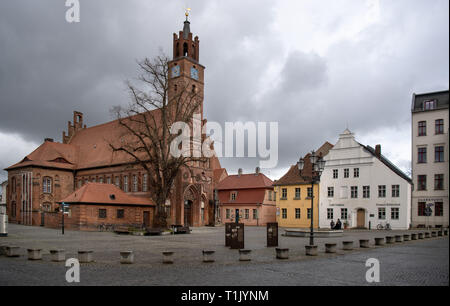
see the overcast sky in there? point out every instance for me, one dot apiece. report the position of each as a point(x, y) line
point(315, 67)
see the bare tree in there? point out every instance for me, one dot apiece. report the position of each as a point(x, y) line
point(147, 123)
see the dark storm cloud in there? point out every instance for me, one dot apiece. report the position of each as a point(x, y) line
point(261, 64)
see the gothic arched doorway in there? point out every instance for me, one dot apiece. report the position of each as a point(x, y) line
point(188, 212)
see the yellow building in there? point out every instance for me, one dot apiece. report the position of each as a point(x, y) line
point(293, 195)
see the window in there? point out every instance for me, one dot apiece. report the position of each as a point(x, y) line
point(439, 209)
point(421, 155)
point(108, 180)
point(330, 192)
point(13, 209)
point(310, 193)
point(117, 181)
point(309, 213)
point(135, 183)
point(439, 124)
point(382, 213)
point(100, 180)
point(344, 213)
point(395, 213)
point(233, 196)
point(297, 213)
point(421, 182)
point(422, 128)
point(47, 207)
point(144, 183)
point(335, 173)
point(395, 191)
point(438, 182)
point(284, 213)
point(346, 173)
point(366, 192)
point(429, 105)
point(356, 172)
point(439, 154)
point(93, 180)
point(284, 193)
point(255, 214)
point(381, 191)
point(421, 209)
point(47, 185)
point(120, 213)
point(247, 214)
point(125, 183)
point(227, 213)
point(102, 213)
point(330, 214)
point(80, 183)
point(297, 193)
point(270, 195)
point(354, 192)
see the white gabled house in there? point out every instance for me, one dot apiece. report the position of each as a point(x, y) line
point(362, 188)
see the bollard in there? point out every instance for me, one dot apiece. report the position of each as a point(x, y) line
point(85, 256)
point(12, 251)
point(433, 234)
point(406, 237)
point(58, 255)
point(282, 253)
point(167, 257)
point(34, 254)
point(414, 236)
point(347, 245)
point(208, 256)
point(244, 255)
point(380, 241)
point(364, 243)
point(427, 235)
point(311, 250)
point(390, 239)
point(398, 238)
point(127, 257)
point(330, 247)
point(420, 235)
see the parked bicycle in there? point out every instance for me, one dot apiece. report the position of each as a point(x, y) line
point(387, 226)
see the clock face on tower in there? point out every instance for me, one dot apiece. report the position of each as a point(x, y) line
point(194, 73)
point(175, 71)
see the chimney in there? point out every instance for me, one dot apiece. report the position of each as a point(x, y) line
point(240, 172)
point(378, 150)
point(257, 171)
point(48, 139)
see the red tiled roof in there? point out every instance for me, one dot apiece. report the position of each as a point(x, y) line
point(219, 175)
point(98, 193)
point(245, 181)
point(244, 196)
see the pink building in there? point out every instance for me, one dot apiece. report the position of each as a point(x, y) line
point(251, 195)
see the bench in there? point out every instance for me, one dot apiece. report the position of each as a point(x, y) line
point(154, 231)
point(122, 230)
point(181, 229)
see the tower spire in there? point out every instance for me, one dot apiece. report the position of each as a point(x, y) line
point(186, 28)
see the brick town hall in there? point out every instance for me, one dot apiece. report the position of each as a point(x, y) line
point(106, 187)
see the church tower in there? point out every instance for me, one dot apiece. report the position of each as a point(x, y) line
point(185, 71)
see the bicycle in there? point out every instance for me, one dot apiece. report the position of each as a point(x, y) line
point(387, 226)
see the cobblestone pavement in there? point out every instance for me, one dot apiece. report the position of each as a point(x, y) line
point(423, 262)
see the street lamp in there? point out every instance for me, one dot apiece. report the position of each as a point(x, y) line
point(317, 166)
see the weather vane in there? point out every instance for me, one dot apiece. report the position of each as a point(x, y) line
point(187, 10)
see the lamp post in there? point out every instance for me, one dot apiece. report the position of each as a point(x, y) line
point(317, 166)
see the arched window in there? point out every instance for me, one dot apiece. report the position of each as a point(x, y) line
point(47, 185)
point(13, 209)
point(185, 49)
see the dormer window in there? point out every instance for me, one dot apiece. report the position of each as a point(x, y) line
point(233, 195)
point(429, 105)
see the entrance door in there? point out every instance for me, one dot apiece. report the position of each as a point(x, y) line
point(188, 213)
point(146, 219)
point(361, 218)
point(42, 218)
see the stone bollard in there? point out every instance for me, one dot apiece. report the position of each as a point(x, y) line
point(330, 247)
point(311, 250)
point(208, 256)
point(12, 251)
point(398, 238)
point(85, 256)
point(282, 253)
point(439, 233)
point(58, 255)
point(420, 235)
point(126, 257)
point(380, 241)
point(427, 235)
point(2, 249)
point(347, 245)
point(364, 243)
point(433, 234)
point(414, 236)
point(168, 257)
point(390, 239)
point(34, 254)
point(406, 237)
point(244, 255)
